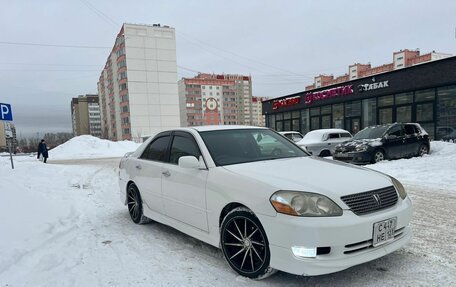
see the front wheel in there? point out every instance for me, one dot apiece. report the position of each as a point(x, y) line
point(245, 245)
point(379, 155)
point(134, 205)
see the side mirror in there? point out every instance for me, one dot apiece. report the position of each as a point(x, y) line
point(188, 162)
point(391, 137)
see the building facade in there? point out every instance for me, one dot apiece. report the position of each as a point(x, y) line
point(138, 85)
point(401, 59)
point(424, 93)
point(85, 115)
point(210, 99)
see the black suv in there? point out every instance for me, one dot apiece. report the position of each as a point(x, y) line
point(376, 143)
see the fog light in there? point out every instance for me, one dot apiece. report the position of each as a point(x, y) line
point(304, 252)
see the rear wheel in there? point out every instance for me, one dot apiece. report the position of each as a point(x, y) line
point(379, 155)
point(245, 245)
point(134, 205)
point(423, 150)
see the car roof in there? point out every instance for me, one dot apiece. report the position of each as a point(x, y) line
point(324, 131)
point(289, 132)
point(222, 127)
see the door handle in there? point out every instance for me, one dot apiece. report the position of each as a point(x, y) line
point(166, 173)
point(138, 166)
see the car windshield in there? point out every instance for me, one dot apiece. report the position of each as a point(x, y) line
point(371, 133)
point(248, 145)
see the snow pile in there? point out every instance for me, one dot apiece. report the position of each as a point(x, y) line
point(87, 146)
point(435, 170)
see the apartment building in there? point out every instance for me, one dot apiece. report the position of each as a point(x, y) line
point(401, 59)
point(258, 118)
point(138, 85)
point(85, 115)
point(211, 99)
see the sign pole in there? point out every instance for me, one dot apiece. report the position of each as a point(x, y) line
point(10, 152)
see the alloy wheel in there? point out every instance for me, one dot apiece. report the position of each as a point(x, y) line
point(134, 204)
point(423, 150)
point(244, 245)
point(379, 156)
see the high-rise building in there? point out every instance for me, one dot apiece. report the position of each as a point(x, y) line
point(258, 118)
point(85, 115)
point(210, 99)
point(138, 85)
point(401, 59)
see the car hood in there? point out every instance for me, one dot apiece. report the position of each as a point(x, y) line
point(311, 174)
point(351, 145)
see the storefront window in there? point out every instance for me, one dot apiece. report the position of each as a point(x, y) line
point(305, 121)
point(295, 124)
point(272, 123)
point(287, 116)
point(279, 116)
point(446, 114)
point(369, 112)
point(425, 95)
point(326, 122)
point(315, 111)
point(386, 101)
point(338, 116)
point(353, 109)
point(404, 114)
point(385, 116)
point(425, 112)
point(404, 98)
point(326, 110)
point(314, 123)
point(287, 125)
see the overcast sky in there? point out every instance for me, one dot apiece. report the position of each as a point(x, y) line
point(282, 44)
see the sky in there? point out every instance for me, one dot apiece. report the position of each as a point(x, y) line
point(281, 44)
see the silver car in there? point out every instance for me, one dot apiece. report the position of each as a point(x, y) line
point(323, 142)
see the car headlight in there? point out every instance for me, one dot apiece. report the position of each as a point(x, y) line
point(361, 148)
point(300, 203)
point(399, 187)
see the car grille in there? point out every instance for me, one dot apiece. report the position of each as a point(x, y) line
point(371, 201)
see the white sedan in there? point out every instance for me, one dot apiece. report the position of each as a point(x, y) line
point(323, 142)
point(266, 211)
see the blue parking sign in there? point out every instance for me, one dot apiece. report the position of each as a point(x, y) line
point(5, 112)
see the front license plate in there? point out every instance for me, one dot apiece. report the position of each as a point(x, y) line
point(384, 231)
point(342, 155)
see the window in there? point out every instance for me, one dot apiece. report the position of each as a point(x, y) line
point(396, 131)
point(424, 112)
point(338, 116)
point(404, 98)
point(410, 130)
point(353, 109)
point(425, 95)
point(369, 112)
point(183, 146)
point(156, 150)
point(333, 136)
point(386, 101)
point(345, 135)
point(446, 110)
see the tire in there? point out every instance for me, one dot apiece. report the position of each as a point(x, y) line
point(325, 153)
point(134, 205)
point(423, 150)
point(378, 156)
point(247, 251)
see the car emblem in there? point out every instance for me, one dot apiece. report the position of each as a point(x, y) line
point(377, 199)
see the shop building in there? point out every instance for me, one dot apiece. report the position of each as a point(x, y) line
point(424, 93)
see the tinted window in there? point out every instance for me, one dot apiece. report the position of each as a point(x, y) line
point(371, 132)
point(183, 146)
point(396, 131)
point(345, 135)
point(333, 136)
point(410, 129)
point(156, 150)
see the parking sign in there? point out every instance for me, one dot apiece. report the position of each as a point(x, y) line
point(5, 112)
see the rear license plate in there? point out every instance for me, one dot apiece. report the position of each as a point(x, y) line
point(384, 231)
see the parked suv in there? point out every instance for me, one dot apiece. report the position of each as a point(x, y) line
point(376, 143)
point(324, 141)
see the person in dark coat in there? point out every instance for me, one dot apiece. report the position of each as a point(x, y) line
point(42, 150)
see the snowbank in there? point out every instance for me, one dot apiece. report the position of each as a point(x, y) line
point(435, 170)
point(87, 146)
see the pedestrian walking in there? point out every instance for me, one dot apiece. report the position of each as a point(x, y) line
point(43, 151)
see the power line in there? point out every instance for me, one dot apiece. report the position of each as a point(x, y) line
point(102, 15)
point(53, 45)
point(42, 64)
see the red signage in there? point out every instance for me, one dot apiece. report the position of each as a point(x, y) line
point(285, 102)
point(327, 94)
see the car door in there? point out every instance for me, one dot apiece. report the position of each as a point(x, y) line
point(395, 142)
point(333, 139)
point(412, 143)
point(184, 189)
point(149, 172)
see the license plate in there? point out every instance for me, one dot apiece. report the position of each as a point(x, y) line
point(384, 231)
point(342, 155)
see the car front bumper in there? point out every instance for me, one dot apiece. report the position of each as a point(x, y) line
point(349, 236)
point(353, 157)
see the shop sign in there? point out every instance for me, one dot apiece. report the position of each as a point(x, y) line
point(373, 86)
point(327, 94)
point(276, 104)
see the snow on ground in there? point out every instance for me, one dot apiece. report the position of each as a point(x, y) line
point(64, 225)
point(87, 146)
